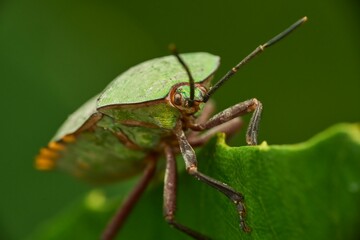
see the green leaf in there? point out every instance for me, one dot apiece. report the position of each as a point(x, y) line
point(309, 190)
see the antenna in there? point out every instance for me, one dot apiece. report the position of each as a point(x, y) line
point(254, 53)
point(174, 51)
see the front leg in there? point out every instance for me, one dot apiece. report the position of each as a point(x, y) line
point(189, 156)
point(240, 109)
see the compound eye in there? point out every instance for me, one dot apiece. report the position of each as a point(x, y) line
point(177, 99)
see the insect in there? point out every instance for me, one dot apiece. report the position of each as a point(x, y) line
point(153, 109)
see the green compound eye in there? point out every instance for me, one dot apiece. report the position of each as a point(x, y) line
point(180, 98)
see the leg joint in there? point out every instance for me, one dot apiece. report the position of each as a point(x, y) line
point(169, 219)
point(192, 170)
point(254, 105)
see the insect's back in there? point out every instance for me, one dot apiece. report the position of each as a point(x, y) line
point(153, 79)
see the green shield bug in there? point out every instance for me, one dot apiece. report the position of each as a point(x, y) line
point(121, 132)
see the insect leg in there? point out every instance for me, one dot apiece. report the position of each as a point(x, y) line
point(229, 128)
point(120, 216)
point(189, 156)
point(252, 105)
point(170, 195)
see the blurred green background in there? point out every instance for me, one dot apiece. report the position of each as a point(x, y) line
point(54, 55)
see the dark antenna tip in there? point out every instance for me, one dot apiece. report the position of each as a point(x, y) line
point(253, 54)
point(173, 49)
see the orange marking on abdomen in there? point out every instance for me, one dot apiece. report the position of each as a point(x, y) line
point(69, 138)
point(48, 153)
point(56, 146)
point(42, 163)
